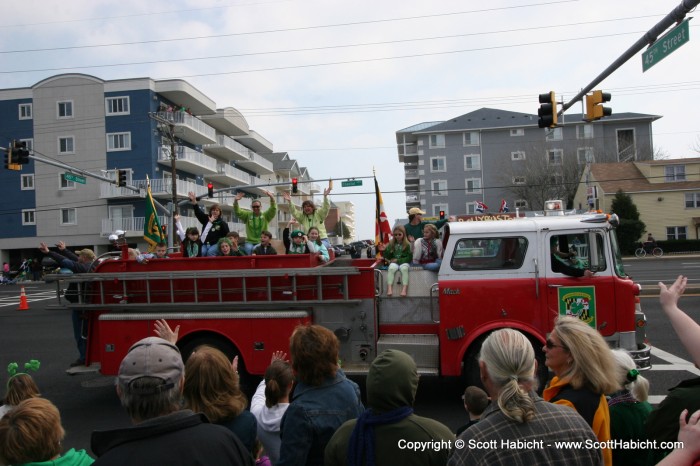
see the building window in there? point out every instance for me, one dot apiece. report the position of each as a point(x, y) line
point(471, 208)
point(30, 145)
point(472, 162)
point(520, 204)
point(470, 138)
point(439, 188)
point(517, 155)
point(519, 180)
point(436, 141)
point(584, 132)
point(626, 150)
point(27, 182)
point(437, 164)
point(28, 217)
point(555, 157)
point(555, 134)
point(584, 155)
point(65, 109)
point(556, 179)
point(25, 111)
point(69, 217)
point(66, 145)
point(473, 185)
point(117, 106)
point(118, 141)
point(64, 184)
point(517, 132)
point(674, 172)
point(437, 208)
point(692, 200)
point(675, 233)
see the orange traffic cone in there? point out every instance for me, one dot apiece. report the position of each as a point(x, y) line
point(23, 305)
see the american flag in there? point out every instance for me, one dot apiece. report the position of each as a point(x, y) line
point(481, 207)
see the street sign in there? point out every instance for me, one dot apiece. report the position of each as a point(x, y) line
point(348, 183)
point(74, 178)
point(667, 44)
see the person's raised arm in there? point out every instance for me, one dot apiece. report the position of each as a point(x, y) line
point(686, 328)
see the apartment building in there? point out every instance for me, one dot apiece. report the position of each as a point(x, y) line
point(156, 129)
point(490, 155)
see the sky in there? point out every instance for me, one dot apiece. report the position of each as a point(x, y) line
point(331, 83)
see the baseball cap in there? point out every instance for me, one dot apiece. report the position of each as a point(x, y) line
point(85, 252)
point(152, 357)
point(415, 210)
point(297, 234)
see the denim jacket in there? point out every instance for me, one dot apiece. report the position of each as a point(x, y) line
point(313, 416)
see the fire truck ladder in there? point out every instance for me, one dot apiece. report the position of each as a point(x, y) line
point(154, 290)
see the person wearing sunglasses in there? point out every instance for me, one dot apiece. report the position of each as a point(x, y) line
point(584, 371)
point(256, 221)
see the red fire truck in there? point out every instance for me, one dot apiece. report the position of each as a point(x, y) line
point(496, 272)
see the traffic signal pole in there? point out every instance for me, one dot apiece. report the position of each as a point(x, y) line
point(674, 17)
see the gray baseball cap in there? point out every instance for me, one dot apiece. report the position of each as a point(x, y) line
point(152, 357)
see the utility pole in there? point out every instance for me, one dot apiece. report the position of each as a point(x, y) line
point(169, 123)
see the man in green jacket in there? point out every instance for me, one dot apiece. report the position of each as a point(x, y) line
point(415, 225)
point(255, 221)
point(389, 426)
point(309, 216)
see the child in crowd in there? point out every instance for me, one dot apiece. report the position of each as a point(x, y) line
point(260, 458)
point(161, 252)
point(264, 248)
point(397, 254)
point(191, 244)
point(315, 245)
point(20, 385)
point(298, 245)
point(475, 402)
point(427, 251)
point(236, 249)
point(225, 247)
point(270, 402)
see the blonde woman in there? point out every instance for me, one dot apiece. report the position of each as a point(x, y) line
point(427, 251)
point(585, 371)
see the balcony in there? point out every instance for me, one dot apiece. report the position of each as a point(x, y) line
point(188, 160)
point(190, 128)
point(411, 176)
point(133, 226)
point(228, 149)
point(226, 174)
point(315, 188)
point(257, 164)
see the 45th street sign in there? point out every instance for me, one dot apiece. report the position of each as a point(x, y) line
point(667, 44)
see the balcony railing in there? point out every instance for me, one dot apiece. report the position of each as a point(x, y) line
point(194, 161)
point(195, 130)
point(133, 226)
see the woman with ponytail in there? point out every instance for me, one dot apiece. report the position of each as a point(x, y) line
point(270, 402)
point(518, 427)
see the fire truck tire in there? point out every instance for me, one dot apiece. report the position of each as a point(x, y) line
point(225, 347)
point(471, 374)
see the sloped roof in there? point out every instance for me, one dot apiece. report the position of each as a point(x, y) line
point(485, 118)
point(612, 177)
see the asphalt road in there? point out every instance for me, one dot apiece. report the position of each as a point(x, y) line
point(88, 402)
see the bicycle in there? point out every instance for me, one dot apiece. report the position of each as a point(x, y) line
point(648, 249)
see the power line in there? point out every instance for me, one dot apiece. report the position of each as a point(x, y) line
point(302, 28)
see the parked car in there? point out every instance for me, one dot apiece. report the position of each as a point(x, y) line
point(339, 250)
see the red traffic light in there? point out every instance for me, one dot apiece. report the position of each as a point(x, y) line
point(442, 215)
point(210, 189)
point(295, 187)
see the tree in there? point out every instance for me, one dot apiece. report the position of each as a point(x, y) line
point(346, 232)
point(631, 227)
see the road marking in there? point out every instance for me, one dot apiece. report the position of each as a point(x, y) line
point(7, 301)
point(676, 363)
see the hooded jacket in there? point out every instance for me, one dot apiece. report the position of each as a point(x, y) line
point(269, 422)
point(391, 384)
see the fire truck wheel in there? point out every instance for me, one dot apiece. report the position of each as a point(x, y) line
point(470, 372)
point(226, 347)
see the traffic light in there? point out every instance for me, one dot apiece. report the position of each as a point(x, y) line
point(121, 178)
point(594, 105)
point(295, 187)
point(210, 190)
point(547, 111)
point(8, 158)
point(20, 153)
point(442, 215)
